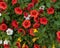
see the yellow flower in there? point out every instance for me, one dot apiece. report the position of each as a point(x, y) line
point(53, 46)
point(19, 39)
point(35, 30)
point(23, 45)
point(34, 39)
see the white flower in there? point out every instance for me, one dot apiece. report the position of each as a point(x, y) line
point(0, 41)
point(27, 18)
point(0, 14)
point(6, 41)
point(29, 15)
point(24, 16)
point(42, 7)
point(9, 31)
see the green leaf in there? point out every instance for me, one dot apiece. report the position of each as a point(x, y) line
point(48, 4)
point(1, 19)
point(7, 18)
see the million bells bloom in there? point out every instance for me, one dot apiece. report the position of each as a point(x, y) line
point(58, 36)
point(14, 24)
point(50, 10)
point(3, 27)
point(14, 2)
point(36, 46)
point(18, 10)
point(43, 20)
point(26, 23)
point(34, 13)
point(3, 5)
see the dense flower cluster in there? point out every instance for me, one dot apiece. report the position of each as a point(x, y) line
point(24, 23)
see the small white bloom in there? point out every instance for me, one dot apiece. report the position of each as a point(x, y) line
point(9, 31)
point(0, 41)
point(29, 15)
point(0, 14)
point(27, 18)
point(6, 41)
point(42, 7)
point(24, 16)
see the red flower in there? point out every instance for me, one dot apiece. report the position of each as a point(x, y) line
point(3, 27)
point(50, 10)
point(43, 20)
point(3, 5)
point(58, 35)
point(36, 19)
point(20, 30)
point(30, 5)
point(18, 10)
point(36, 46)
point(14, 2)
point(18, 44)
point(25, 14)
point(6, 46)
point(34, 13)
point(31, 32)
point(28, 8)
point(1, 0)
point(54, 0)
point(14, 24)
point(26, 23)
point(58, 39)
point(35, 1)
point(25, 9)
point(41, 11)
point(36, 25)
point(26, 46)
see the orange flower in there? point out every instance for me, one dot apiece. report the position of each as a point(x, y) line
point(34, 13)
